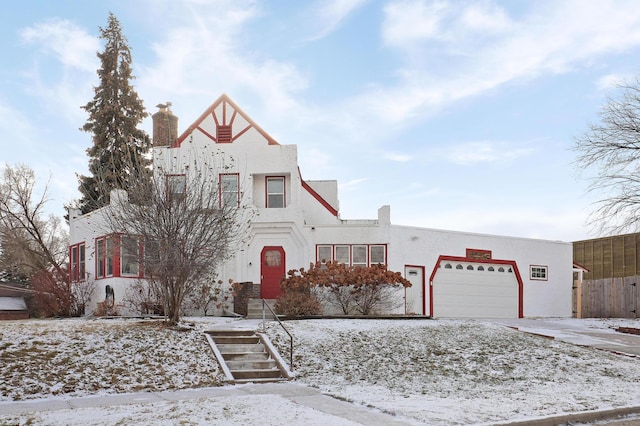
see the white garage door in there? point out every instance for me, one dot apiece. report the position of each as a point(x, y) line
point(474, 290)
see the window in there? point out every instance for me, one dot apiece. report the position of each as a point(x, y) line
point(129, 256)
point(359, 256)
point(353, 254)
point(229, 193)
point(458, 266)
point(480, 268)
point(491, 269)
point(447, 266)
point(538, 272)
point(176, 187)
point(77, 262)
point(324, 254)
point(275, 192)
point(469, 267)
point(378, 255)
point(343, 254)
point(104, 257)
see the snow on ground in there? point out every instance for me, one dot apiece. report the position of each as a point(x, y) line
point(446, 372)
point(80, 357)
point(432, 372)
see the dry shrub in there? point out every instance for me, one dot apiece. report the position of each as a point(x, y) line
point(296, 303)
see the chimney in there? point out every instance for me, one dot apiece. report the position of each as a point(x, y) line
point(165, 126)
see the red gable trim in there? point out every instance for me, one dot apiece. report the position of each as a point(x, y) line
point(225, 100)
point(511, 263)
point(317, 196)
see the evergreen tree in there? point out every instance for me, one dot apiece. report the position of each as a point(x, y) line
point(118, 156)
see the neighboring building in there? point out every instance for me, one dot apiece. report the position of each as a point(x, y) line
point(610, 277)
point(13, 305)
point(454, 274)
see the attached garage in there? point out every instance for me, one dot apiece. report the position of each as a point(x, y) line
point(463, 287)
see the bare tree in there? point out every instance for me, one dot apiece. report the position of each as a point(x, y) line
point(612, 148)
point(189, 224)
point(33, 243)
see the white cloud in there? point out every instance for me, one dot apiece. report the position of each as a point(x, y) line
point(351, 185)
point(70, 44)
point(394, 156)
point(610, 81)
point(482, 152)
point(479, 47)
point(329, 15)
point(207, 55)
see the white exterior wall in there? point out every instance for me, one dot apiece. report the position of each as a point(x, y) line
point(306, 221)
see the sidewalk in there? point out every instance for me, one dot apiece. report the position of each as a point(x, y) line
point(335, 411)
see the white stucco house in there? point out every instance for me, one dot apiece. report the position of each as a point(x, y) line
point(454, 274)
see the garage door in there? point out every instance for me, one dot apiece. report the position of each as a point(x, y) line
point(475, 290)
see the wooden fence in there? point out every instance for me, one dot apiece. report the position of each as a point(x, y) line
point(608, 298)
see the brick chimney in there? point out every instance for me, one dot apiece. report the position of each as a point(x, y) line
point(165, 126)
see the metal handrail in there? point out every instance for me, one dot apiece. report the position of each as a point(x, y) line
point(264, 329)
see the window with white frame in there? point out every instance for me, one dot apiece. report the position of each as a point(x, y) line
point(343, 254)
point(359, 255)
point(539, 272)
point(324, 254)
point(275, 192)
point(353, 254)
point(378, 255)
point(229, 190)
point(129, 255)
point(176, 187)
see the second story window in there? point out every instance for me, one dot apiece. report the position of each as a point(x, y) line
point(176, 187)
point(229, 193)
point(275, 192)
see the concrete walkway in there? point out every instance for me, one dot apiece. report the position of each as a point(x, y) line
point(299, 394)
point(574, 333)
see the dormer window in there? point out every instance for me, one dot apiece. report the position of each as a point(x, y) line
point(275, 192)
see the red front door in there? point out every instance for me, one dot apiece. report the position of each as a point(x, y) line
point(272, 270)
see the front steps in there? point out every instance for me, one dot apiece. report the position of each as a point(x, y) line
point(247, 357)
point(254, 309)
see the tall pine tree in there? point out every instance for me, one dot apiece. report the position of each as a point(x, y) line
point(119, 154)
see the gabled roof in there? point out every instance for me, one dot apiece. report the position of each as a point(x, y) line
point(229, 112)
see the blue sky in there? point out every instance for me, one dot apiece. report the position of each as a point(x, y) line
point(459, 114)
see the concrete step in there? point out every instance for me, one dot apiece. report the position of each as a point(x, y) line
point(226, 348)
point(236, 340)
point(256, 374)
point(265, 364)
point(235, 332)
point(245, 356)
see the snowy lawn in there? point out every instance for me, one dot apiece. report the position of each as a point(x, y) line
point(433, 372)
point(82, 357)
point(446, 372)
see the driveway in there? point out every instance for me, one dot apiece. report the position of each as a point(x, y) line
point(578, 332)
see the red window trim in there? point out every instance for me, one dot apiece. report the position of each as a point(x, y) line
point(75, 271)
point(333, 252)
point(116, 261)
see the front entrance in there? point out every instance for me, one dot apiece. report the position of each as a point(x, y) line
point(272, 270)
